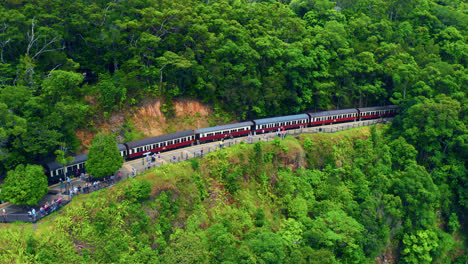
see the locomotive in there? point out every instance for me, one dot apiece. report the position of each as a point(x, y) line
point(139, 148)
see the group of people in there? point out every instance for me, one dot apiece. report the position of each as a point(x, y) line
point(90, 185)
point(48, 208)
point(280, 133)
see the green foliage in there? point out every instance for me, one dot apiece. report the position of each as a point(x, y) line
point(364, 200)
point(433, 126)
point(348, 201)
point(259, 217)
point(419, 195)
point(65, 61)
point(267, 247)
point(137, 190)
point(104, 158)
point(26, 185)
point(112, 92)
point(453, 223)
point(418, 246)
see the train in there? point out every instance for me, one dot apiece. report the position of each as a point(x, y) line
point(139, 148)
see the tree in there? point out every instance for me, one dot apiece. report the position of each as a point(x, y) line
point(433, 126)
point(112, 92)
point(268, 247)
point(103, 157)
point(418, 246)
point(26, 185)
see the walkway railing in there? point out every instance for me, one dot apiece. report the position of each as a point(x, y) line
point(185, 155)
point(31, 218)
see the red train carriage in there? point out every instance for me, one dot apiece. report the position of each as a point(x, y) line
point(160, 143)
point(334, 116)
point(226, 131)
point(377, 112)
point(281, 122)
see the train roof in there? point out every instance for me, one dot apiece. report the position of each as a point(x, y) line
point(280, 119)
point(333, 112)
point(78, 159)
point(152, 140)
point(385, 107)
point(121, 147)
point(223, 127)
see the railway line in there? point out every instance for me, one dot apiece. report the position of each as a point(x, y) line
point(18, 213)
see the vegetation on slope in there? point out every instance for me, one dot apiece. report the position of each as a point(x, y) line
point(323, 198)
point(62, 63)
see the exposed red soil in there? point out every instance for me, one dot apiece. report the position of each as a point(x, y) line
point(149, 120)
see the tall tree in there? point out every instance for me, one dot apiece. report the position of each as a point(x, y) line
point(26, 185)
point(103, 157)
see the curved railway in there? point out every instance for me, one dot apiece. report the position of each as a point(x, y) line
point(136, 149)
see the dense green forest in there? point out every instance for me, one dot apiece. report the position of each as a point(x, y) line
point(397, 193)
point(65, 63)
point(357, 196)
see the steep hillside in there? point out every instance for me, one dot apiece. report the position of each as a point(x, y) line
point(324, 198)
point(148, 121)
